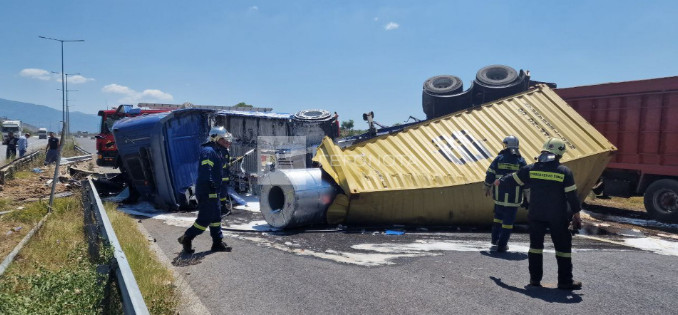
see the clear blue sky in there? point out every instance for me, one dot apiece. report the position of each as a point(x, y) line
point(344, 56)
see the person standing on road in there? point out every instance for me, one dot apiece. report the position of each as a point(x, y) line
point(23, 144)
point(213, 161)
point(552, 191)
point(10, 142)
point(52, 149)
point(507, 197)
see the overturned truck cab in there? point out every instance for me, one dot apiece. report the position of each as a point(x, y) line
point(160, 153)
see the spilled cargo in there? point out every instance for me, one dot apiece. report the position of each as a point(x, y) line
point(432, 173)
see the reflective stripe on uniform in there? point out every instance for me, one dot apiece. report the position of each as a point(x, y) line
point(509, 166)
point(215, 224)
point(507, 226)
point(212, 195)
point(517, 200)
point(497, 220)
point(506, 204)
point(199, 227)
point(570, 188)
point(207, 162)
point(489, 170)
point(565, 255)
point(225, 179)
point(556, 177)
point(536, 251)
point(223, 199)
point(515, 177)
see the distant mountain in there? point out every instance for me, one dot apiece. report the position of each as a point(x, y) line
point(42, 116)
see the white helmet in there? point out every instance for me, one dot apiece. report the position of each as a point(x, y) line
point(217, 133)
point(511, 143)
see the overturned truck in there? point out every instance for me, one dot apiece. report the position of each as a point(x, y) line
point(432, 173)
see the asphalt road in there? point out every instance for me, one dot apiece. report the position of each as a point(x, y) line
point(33, 144)
point(360, 271)
point(87, 144)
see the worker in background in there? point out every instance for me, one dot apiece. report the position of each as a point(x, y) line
point(52, 149)
point(10, 142)
point(552, 190)
point(213, 161)
point(336, 123)
point(507, 197)
point(23, 144)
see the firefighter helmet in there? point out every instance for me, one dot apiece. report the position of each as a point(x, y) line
point(511, 143)
point(217, 133)
point(555, 146)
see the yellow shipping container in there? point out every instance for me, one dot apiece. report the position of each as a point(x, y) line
point(432, 173)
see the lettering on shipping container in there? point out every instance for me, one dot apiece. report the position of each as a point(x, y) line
point(541, 121)
point(461, 147)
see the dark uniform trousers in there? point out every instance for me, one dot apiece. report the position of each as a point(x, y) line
point(209, 214)
point(562, 241)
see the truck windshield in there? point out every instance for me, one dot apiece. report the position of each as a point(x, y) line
point(108, 121)
point(10, 129)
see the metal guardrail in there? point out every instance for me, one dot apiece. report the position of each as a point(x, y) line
point(8, 169)
point(96, 221)
point(81, 150)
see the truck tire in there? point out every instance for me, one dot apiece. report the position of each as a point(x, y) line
point(443, 85)
point(312, 115)
point(661, 200)
point(496, 75)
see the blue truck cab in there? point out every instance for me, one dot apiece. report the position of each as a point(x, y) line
point(160, 153)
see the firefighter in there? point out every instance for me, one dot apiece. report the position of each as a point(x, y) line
point(507, 197)
point(552, 191)
point(209, 186)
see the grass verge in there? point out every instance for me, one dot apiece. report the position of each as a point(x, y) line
point(154, 280)
point(52, 274)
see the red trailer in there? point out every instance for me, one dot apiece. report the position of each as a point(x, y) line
point(641, 119)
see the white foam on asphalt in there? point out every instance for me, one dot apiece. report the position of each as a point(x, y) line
point(261, 226)
point(423, 246)
point(654, 245)
point(145, 209)
point(355, 258)
point(252, 204)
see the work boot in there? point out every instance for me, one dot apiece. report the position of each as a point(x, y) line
point(220, 246)
point(187, 244)
point(574, 285)
point(534, 283)
point(502, 249)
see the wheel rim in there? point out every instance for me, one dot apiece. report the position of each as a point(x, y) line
point(666, 201)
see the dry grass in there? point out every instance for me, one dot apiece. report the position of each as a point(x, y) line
point(15, 225)
point(632, 203)
point(57, 241)
point(155, 281)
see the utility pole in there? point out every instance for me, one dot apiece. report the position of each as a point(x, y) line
point(55, 179)
point(63, 80)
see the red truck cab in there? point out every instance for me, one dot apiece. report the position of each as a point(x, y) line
point(107, 151)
